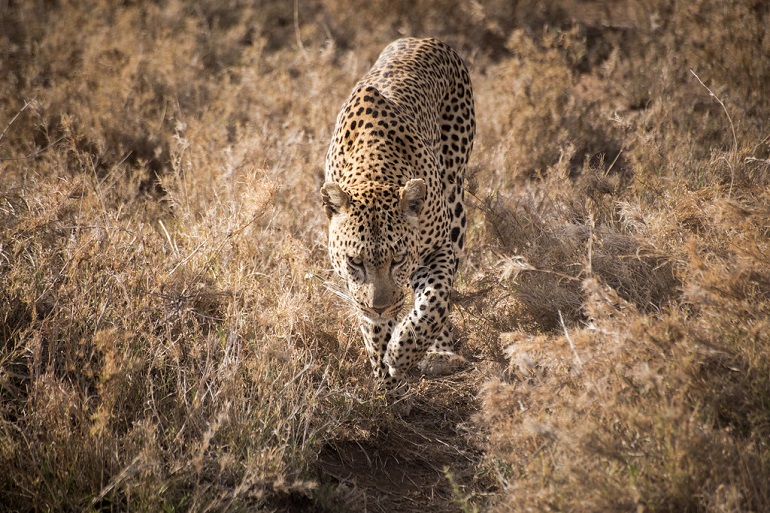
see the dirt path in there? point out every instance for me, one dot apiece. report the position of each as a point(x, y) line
point(426, 461)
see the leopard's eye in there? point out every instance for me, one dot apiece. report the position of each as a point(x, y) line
point(356, 262)
point(398, 260)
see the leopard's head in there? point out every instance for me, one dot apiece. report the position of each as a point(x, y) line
point(374, 235)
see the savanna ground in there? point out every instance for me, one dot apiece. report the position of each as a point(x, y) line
point(167, 339)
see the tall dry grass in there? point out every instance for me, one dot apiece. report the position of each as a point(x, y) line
point(167, 342)
point(632, 249)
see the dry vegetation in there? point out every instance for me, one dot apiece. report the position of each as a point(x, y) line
point(166, 339)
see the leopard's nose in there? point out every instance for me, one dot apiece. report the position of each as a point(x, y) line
point(379, 310)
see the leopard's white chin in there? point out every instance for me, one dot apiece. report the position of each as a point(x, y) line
point(389, 313)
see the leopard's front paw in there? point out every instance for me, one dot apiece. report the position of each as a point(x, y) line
point(394, 372)
point(397, 394)
point(441, 363)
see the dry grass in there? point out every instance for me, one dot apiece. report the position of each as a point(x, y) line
point(166, 344)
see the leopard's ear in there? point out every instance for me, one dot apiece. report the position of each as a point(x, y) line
point(334, 198)
point(413, 197)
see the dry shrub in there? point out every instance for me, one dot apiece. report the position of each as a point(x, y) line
point(554, 233)
point(480, 27)
point(146, 366)
point(632, 412)
point(163, 350)
point(643, 385)
point(535, 88)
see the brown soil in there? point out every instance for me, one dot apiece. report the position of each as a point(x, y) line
point(428, 460)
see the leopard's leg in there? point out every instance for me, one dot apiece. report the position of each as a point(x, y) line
point(445, 340)
point(376, 335)
point(423, 325)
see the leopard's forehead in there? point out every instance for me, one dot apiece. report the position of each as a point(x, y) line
point(368, 191)
point(374, 227)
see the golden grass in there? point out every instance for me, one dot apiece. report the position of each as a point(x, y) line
point(167, 343)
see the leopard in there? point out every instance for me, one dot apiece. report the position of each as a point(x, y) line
point(393, 196)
